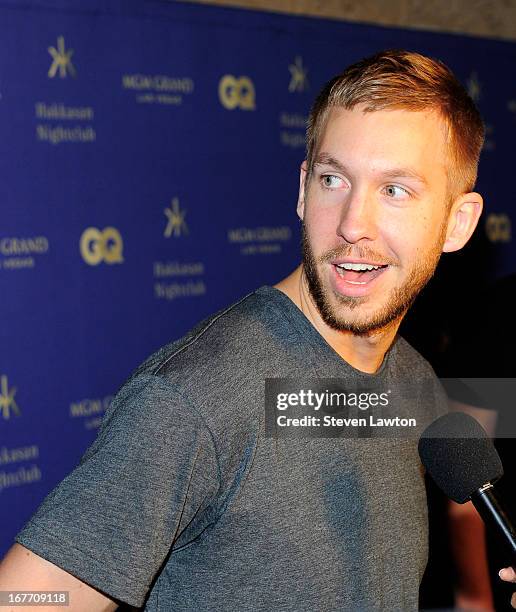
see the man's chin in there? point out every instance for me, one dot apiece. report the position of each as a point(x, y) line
point(355, 314)
point(359, 324)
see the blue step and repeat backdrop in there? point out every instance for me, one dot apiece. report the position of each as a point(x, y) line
point(149, 156)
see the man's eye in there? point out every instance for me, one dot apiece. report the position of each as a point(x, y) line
point(394, 191)
point(330, 181)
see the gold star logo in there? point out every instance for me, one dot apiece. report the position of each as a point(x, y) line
point(7, 403)
point(62, 60)
point(298, 80)
point(474, 88)
point(176, 225)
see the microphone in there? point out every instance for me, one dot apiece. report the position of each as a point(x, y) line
point(464, 464)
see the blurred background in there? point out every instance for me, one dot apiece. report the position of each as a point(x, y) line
point(149, 160)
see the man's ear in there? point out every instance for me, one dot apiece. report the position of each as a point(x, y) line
point(301, 196)
point(464, 215)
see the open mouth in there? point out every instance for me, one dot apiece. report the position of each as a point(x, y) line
point(359, 273)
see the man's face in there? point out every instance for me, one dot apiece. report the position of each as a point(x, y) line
point(375, 215)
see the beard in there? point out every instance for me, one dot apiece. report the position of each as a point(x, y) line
point(335, 309)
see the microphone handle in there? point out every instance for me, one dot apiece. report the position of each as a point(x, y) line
point(494, 515)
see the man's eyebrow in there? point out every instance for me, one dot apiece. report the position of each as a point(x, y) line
point(394, 173)
point(324, 159)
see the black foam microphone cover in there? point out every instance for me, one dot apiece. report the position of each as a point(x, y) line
point(458, 455)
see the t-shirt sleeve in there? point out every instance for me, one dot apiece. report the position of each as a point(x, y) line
point(143, 488)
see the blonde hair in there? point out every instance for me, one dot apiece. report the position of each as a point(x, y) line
point(398, 79)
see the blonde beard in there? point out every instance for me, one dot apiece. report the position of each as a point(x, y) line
point(398, 302)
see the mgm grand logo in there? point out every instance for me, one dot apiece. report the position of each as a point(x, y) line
point(498, 228)
point(237, 92)
point(99, 246)
point(24, 246)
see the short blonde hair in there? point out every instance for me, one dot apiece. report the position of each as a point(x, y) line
point(398, 79)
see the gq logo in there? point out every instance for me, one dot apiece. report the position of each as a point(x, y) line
point(236, 92)
point(498, 228)
point(101, 245)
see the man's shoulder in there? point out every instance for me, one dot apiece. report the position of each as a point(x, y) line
point(243, 331)
point(414, 370)
point(219, 367)
point(408, 360)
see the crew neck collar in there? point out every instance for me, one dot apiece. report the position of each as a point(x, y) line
point(324, 354)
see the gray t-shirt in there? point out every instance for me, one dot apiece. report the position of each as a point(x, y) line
point(183, 503)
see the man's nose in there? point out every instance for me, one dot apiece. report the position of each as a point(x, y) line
point(358, 219)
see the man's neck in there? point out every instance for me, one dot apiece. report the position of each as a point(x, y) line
point(363, 352)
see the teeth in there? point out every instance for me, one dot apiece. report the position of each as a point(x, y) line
point(357, 267)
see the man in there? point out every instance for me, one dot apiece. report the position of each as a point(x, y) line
point(183, 503)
